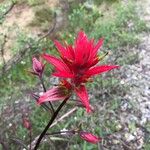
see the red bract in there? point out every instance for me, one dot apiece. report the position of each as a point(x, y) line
point(56, 93)
point(89, 137)
point(37, 66)
point(83, 95)
point(77, 62)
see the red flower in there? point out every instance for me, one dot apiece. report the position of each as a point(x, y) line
point(78, 63)
point(89, 137)
point(37, 66)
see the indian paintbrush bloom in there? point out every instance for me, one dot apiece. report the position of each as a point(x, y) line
point(37, 66)
point(89, 137)
point(77, 64)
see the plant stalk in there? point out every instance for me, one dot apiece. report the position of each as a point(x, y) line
point(50, 122)
point(44, 88)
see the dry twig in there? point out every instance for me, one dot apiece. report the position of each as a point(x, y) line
point(8, 10)
point(18, 57)
point(2, 50)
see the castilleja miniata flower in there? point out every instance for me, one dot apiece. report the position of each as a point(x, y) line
point(77, 64)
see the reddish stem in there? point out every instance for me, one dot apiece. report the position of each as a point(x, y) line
point(44, 88)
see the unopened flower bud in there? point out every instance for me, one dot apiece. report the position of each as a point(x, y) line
point(37, 66)
point(26, 123)
point(89, 137)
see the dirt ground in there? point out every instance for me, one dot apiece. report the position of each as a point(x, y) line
point(19, 19)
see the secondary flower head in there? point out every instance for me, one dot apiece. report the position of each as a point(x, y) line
point(59, 92)
point(78, 63)
point(89, 137)
point(37, 66)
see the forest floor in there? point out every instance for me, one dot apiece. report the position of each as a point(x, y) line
point(137, 77)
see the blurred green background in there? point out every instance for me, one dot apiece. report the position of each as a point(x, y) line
point(117, 21)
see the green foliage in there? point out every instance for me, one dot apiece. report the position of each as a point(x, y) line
point(147, 147)
point(82, 18)
point(43, 17)
point(119, 25)
point(4, 6)
point(122, 29)
point(132, 127)
point(98, 2)
point(130, 58)
point(29, 2)
point(34, 2)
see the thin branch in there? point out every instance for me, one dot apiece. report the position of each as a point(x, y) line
point(64, 116)
point(18, 57)
point(15, 59)
point(2, 51)
point(8, 10)
point(51, 29)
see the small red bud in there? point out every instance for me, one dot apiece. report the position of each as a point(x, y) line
point(26, 123)
point(89, 137)
point(37, 66)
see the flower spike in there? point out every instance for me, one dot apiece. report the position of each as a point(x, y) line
point(78, 64)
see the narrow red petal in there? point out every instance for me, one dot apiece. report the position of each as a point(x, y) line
point(63, 74)
point(83, 95)
point(93, 54)
point(99, 70)
point(81, 36)
point(99, 44)
point(80, 47)
point(59, 65)
point(71, 52)
point(65, 52)
point(60, 48)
